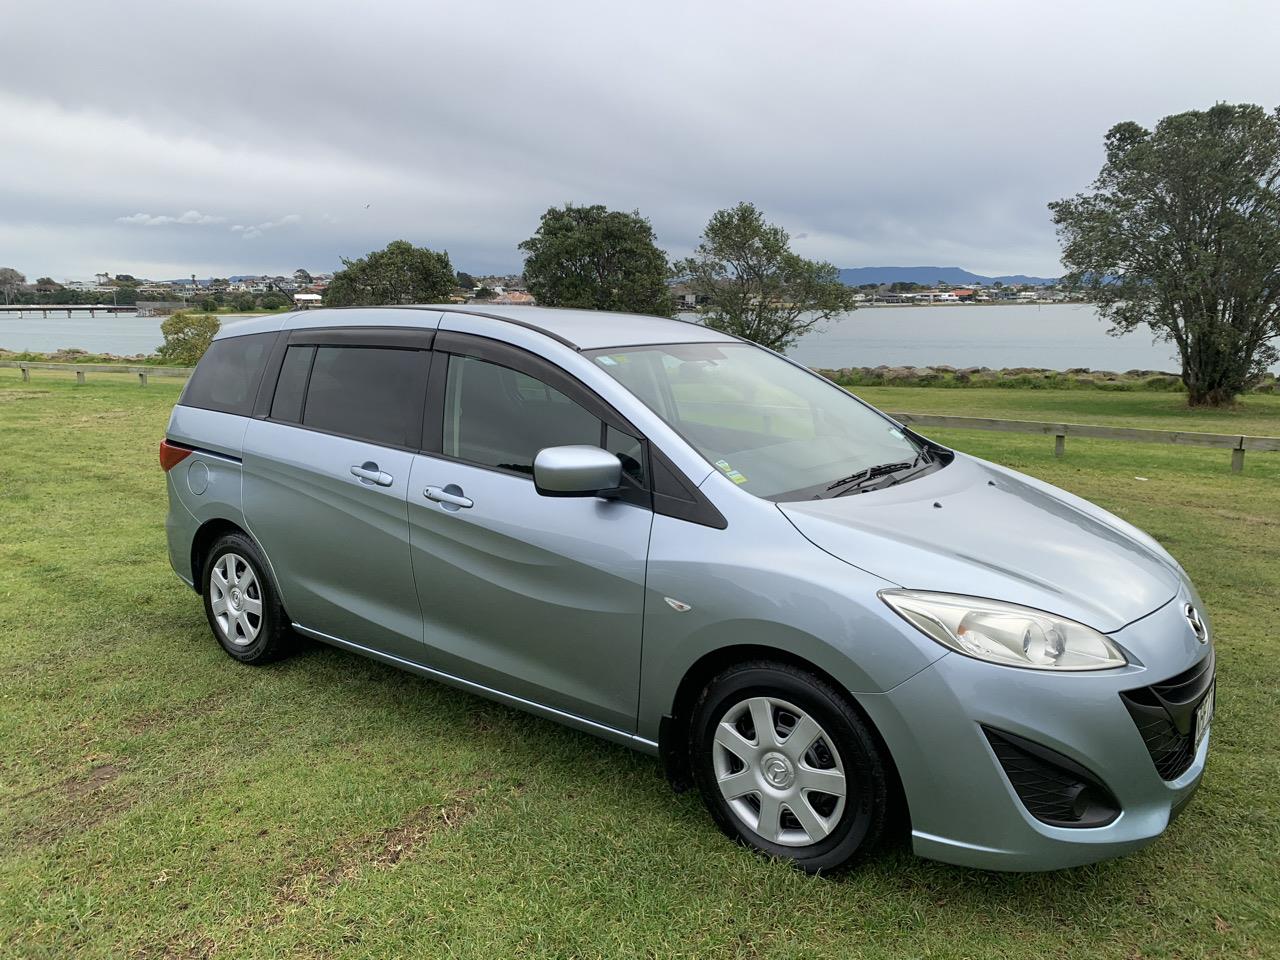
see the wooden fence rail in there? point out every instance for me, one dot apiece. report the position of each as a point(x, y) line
point(141, 371)
point(1236, 443)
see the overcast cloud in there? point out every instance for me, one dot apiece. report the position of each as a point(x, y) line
point(165, 139)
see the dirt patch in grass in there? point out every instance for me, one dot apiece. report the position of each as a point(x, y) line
point(315, 878)
point(77, 788)
point(157, 721)
point(83, 803)
point(383, 849)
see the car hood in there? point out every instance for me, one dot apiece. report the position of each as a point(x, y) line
point(976, 529)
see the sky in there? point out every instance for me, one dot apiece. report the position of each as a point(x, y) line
point(165, 139)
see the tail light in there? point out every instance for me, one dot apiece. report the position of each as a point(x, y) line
point(171, 454)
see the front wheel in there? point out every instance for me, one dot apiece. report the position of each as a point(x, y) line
point(787, 766)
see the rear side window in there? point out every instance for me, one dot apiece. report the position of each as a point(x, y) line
point(291, 387)
point(370, 393)
point(227, 376)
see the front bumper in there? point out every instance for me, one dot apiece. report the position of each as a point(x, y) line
point(963, 807)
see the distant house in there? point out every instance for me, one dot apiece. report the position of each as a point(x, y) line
point(158, 308)
point(305, 301)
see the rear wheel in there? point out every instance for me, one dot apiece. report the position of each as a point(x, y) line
point(241, 603)
point(787, 766)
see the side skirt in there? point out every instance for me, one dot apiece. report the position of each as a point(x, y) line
point(550, 713)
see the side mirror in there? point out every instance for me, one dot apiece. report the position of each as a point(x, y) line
point(575, 471)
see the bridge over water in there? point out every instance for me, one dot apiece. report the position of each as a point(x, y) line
point(44, 309)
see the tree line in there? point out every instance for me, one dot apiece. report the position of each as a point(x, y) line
point(744, 277)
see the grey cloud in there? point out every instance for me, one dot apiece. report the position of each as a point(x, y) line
point(911, 133)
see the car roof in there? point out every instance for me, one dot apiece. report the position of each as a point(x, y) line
point(579, 329)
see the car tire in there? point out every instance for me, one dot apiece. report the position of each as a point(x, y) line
point(767, 793)
point(242, 603)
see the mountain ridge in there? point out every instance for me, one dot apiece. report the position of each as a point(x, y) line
point(853, 276)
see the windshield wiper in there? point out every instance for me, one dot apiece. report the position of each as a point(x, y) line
point(871, 473)
point(858, 480)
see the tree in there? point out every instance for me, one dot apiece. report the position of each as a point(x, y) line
point(596, 259)
point(1180, 232)
point(186, 337)
point(466, 281)
point(10, 281)
point(302, 277)
point(755, 287)
point(485, 293)
point(273, 301)
point(402, 273)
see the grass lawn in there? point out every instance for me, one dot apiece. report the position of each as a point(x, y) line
point(159, 800)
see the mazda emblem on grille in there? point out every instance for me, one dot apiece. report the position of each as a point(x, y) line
point(1197, 625)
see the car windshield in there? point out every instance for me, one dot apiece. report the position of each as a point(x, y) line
point(769, 426)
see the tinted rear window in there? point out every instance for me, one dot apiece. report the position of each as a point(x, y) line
point(371, 393)
point(227, 376)
point(292, 384)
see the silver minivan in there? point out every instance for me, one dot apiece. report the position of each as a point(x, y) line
point(682, 542)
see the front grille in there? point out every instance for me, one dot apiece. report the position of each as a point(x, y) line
point(1055, 789)
point(1165, 715)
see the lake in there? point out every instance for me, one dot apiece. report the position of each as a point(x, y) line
point(1057, 336)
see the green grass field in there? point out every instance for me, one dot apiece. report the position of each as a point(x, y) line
point(159, 800)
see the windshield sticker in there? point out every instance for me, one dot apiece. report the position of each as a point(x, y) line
point(607, 361)
point(895, 433)
point(731, 473)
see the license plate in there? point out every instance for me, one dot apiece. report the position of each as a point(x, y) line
point(1204, 715)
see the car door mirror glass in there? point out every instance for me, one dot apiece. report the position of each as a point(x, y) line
point(577, 470)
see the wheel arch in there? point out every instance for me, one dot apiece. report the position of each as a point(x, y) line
point(673, 728)
point(207, 535)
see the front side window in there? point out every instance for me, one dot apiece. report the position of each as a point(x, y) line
point(499, 417)
point(769, 426)
point(370, 393)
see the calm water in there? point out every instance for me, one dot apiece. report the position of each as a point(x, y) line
point(1058, 337)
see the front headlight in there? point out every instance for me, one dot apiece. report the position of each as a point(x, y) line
point(1005, 633)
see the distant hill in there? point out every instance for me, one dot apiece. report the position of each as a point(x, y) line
point(854, 276)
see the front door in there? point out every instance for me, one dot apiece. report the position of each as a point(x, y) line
point(326, 481)
point(540, 597)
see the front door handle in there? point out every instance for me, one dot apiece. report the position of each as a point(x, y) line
point(450, 496)
point(368, 472)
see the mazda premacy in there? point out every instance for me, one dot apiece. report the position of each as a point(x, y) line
point(682, 542)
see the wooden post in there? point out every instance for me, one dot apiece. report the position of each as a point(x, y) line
point(142, 377)
point(26, 374)
point(80, 376)
point(1237, 460)
point(1059, 445)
